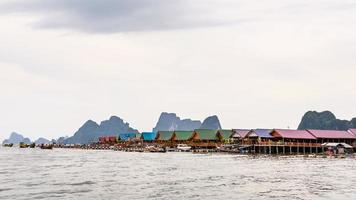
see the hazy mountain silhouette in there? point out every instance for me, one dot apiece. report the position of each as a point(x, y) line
point(171, 122)
point(16, 138)
point(211, 122)
point(42, 141)
point(325, 120)
point(90, 131)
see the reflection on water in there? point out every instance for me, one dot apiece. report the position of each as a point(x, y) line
point(85, 174)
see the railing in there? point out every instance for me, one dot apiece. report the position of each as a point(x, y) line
point(281, 143)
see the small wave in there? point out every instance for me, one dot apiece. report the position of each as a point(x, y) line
point(5, 189)
point(83, 183)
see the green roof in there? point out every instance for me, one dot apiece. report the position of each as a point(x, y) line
point(183, 135)
point(226, 134)
point(206, 134)
point(138, 135)
point(165, 135)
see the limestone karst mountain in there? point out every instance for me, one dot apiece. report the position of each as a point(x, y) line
point(171, 122)
point(325, 120)
point(90, 131)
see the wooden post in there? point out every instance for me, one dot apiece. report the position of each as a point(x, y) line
point(269, 148)
point(284, 149)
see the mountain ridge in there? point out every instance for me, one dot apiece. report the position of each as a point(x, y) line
point(170, 122)
point(325, 120)
point(90, 130)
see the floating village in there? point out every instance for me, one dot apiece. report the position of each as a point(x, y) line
point(235, 141)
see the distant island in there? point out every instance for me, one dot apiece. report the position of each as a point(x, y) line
point(16, 138)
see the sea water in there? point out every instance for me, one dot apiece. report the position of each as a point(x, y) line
point(94, 174)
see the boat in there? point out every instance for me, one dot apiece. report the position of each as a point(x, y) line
point(183, 147)
point(23, 145)
point(153, 149)
point(229, 149)
point(33, 145)
point(8, 145)
point(50, 146)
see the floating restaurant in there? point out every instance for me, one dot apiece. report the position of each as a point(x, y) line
point(261, 141)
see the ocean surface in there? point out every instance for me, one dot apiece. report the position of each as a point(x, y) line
point(91, 174)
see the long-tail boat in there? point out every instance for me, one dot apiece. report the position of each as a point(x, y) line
point(49, 146)
point(8, 145)
point(23, 145)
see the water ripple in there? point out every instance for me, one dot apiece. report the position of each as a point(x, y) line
point(79, 174)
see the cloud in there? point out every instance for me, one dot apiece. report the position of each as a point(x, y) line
point(110, 16)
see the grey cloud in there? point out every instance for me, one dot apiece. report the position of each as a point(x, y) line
point(110, 16)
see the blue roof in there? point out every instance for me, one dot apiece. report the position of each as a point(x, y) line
point(263, 133)
point(126, 136)
point(149, 136)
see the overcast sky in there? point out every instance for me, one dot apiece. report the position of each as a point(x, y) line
point(253, 63)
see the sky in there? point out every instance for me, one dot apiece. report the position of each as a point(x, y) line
point(253, 63)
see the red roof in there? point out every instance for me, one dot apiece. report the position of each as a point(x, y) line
point(333, 134)
point(294, 134)
point(353, 131)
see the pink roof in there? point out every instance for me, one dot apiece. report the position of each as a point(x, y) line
point(294, 134)
point(332, 134)
point(241, 132)
point(353, 131)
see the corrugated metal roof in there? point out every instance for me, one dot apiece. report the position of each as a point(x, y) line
point(206, 134)
point(126, 136)
point(294, 134)
point(149, 136)
point(242, 132)
point(164, 135)
point(353, 131)
point(183, 135)
point(331, 134)
point(262, 133)
point(226, 134)
point(336, 144)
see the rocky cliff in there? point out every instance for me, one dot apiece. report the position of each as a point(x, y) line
point(211, 122)
point(171, 122)
point(16, 138)
point(90, 131)
point(325, 121)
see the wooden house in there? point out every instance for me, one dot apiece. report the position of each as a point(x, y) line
point(148, 136)
point(183, 136)
point(256, 136)
point(333, 136)
point(287, 136)
point(239, 135)
point(225, 135)
point(164, 136)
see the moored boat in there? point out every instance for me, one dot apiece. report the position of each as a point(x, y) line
point(8, 145)
point(183, 147)
point(153, 149)
point(23, 145)
point(49, 146)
